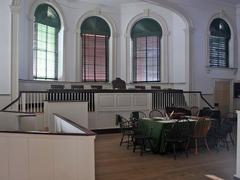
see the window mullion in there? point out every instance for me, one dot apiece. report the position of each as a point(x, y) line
point(46, 59)
point(95, 39)
point(146, 60)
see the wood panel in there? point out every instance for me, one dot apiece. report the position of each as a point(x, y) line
point(46, 157)
point(222, 95)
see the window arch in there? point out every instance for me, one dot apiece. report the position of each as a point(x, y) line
point(146, 36)
point(220, 35)
point(47, 25)
point(95, 34)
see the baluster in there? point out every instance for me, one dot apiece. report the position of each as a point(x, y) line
point(23, 102)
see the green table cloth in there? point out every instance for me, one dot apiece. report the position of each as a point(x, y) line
point(155, 129)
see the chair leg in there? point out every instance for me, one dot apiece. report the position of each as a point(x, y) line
point(128, 140)
point(186, 147)
point(174, 151)
point(142, 147)
point(188, 142)
point(230, 134)
point(196, 146)
point(122, 139)
point(206, 144)
point(226, 143)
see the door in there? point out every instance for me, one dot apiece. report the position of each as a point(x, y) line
point(222, 95)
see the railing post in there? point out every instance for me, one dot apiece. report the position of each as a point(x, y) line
point(23, 102)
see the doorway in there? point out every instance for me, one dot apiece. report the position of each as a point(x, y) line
point(222, 95)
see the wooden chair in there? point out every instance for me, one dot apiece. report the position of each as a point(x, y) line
point(76, 87)
point(140, 87)
point(96, 87)
point(141, 140)
point(178, 134)
point(194, 110)
point(57, 86)
point(137, 115)
point(156, 87)
point(126, 129)
point(231, 118)
point(200, 131)
point(155, 113)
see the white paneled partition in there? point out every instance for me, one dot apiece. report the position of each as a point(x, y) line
point(107, 105)
point(48, 157)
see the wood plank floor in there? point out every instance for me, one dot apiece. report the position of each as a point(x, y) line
point(117, 163)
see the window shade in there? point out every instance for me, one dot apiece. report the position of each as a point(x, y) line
point(95, 34)
point(219, 43)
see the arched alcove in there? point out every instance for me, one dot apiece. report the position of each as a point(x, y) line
point(112, 43)
point(175, 53)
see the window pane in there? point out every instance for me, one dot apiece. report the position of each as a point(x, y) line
point(45, 52)
point(146, 61)
point(94, 57)
point(218, 51)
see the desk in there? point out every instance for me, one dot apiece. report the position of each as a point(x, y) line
point(155, 129)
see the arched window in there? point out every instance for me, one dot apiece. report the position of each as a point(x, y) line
point(95, 34)
point(45, 42)
point(146, 35)
point(220, 35)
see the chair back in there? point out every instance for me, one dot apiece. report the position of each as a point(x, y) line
point(122, 122)
point(57, 86)
point(180, 129)
point(155, 113)
point(137, 115)
point(194, 110)
point(201, 128)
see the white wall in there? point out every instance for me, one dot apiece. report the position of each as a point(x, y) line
point(5, 47)
point(121, 16)
point(75, 111)
point(199, 14)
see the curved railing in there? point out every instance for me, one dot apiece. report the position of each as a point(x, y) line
point(33, 101)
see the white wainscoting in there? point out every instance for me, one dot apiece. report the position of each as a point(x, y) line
point(48, 157)
point(108, 105)
point(75, 111)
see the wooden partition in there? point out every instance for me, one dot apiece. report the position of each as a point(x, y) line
point(67, 153)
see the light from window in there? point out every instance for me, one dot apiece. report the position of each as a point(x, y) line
point(146, 36)
point(45, 43)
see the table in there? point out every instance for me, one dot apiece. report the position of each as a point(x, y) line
point(155, 129)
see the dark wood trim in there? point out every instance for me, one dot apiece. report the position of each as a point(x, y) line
point(107, 131)
point(114, 90)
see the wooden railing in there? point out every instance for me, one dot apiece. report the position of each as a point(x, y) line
point(33, 101)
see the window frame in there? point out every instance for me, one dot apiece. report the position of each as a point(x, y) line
point(98, 32)
point(84, 79)
point(36, 50)
point(134, 52)
point(217, 49)
point(61, 50)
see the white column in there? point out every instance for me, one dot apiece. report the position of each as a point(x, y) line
point(15, 9)
point(237, 176)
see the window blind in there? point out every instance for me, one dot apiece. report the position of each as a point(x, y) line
point(218, 51)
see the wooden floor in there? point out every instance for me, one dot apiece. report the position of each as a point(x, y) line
point(117, 163)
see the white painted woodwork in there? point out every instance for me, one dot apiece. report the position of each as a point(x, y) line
point(5, 48)
point(75, 111)
point(238, 147)
point(48, 157)
point(107, 105)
